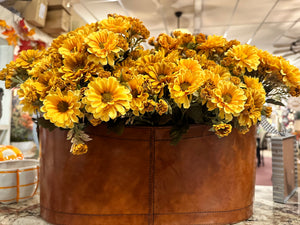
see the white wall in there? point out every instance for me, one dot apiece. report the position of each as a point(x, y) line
point(6, 55)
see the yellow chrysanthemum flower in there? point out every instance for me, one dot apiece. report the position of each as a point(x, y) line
point(268, 111)
point(150, 59)
point(229, 99)
point(295, 91)
point(8, 73)
point(158, 76)
point(212, 44)
point(49, 81)
point(223, 72)
point(210, 82)
point(190, 53)
point(136, 54)
point(123, 43)
point(253, 83)
point(269, 62)
point(162, 107)
point(45, 64)
point(29, 93)
point(147, 60)
point(290, 73)
point(124, 73)
point(205, 62)
point(107, 99)
point(244, 57)
point(252, 108)
point(167, 42)
point(115, 24)
point(85, 30)
point(183, 86)
point(76, 67)
point(236, 81)
point(200, 38)
point(190, 64)
point(103, 44)
point(149, 106)
point(79, 149)
point(52, 80)
point(27, 58)
point(138, 30)
point(139, 97)
point(171, 56)
point(71, 46)
point(222, 129)
point(93, 121)
point(62, 109)
point(57, 43)
point(184, 38)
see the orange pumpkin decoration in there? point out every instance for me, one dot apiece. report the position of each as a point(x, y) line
point(9, 152)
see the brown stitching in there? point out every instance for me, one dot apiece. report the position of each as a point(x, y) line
point(151, 142)
point(83, 214)
point(206, 212)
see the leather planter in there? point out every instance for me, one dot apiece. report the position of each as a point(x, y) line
point(139, 178)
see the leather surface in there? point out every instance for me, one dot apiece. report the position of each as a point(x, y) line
point(139, 178)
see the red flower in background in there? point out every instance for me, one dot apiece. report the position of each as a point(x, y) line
point(23, 37)
point(24, 29)
point(25, 45)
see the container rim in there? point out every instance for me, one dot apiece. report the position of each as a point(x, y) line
point(34, 161)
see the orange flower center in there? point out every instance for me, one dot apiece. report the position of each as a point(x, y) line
point(161, 76)
point(134, 93)
point(107, 97)
point(63, 106)
point(101, 45)
point(184, 86)
point(227, 98)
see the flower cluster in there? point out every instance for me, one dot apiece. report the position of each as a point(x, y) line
point(101, 73)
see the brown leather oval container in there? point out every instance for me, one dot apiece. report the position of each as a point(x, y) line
point(139, 178)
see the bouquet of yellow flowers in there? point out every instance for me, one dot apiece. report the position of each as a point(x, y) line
point(101, 73)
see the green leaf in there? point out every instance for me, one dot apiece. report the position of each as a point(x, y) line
point(164, 119)
point(45, 123)
point(116, 126)
point(195, 113)
point(211, 129)
point(177, 132)
point(272, 101)
point(191, 45)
